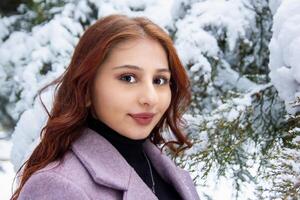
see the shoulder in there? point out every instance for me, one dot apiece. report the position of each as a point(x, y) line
point(57, 181)
point(67, 179)
point(51, 186)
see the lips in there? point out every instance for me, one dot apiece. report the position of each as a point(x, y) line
point(143, 118)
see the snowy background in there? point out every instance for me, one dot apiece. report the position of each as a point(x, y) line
point(243, 60)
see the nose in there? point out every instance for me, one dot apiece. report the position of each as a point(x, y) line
point(148, 95)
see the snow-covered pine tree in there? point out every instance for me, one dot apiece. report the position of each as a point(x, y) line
point(237, 119)
point(281, 177)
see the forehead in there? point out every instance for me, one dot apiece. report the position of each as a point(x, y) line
point(145, 53)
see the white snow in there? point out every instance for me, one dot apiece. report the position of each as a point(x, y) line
point(7, 172)
point(6, 180)
point(25, 139)
point(284, 53)
point(274, 4)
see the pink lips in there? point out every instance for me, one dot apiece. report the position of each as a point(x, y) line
point(143, 118)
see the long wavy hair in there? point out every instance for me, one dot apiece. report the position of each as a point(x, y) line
point(68, 115)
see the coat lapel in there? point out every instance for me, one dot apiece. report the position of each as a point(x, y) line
point(172, 174)
point(107, 167)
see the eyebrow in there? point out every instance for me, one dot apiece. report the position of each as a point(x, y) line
point(139, 68)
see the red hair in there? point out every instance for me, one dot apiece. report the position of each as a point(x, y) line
point(68, 116)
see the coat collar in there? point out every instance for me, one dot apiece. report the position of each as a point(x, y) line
point(174, 175)
point(106, 165)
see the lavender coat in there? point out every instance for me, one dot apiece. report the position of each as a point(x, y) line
point(94, 169)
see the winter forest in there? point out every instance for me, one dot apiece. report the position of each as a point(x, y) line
point(243, 60)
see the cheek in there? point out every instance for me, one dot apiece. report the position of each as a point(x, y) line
point(112, 99)
point(166, 100)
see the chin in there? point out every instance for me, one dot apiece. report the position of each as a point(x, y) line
point(139, 137)
point(139, 133)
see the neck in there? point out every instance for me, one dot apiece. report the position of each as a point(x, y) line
point(126, 146)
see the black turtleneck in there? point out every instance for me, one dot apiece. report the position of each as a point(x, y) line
point(132, 151)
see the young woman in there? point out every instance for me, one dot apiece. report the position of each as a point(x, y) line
point(124, 86)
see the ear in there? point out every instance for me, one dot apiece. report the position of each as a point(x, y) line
point(88, 103)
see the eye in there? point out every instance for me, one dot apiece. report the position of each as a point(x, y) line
point(130, 78)
point(161, 80)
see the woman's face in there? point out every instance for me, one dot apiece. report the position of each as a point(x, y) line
point(134, 79)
